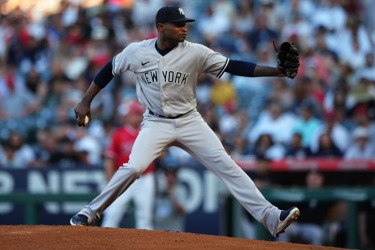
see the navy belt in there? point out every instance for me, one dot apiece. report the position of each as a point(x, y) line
point(168, 117)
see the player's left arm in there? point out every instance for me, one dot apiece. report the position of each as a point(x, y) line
point(249, 69)
point(287, 64)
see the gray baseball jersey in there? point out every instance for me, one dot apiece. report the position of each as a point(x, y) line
point(166, 84)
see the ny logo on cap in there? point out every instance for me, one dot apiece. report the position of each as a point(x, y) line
point(181, 11)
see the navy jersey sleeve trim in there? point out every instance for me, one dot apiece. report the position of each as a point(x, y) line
point(104, 76)
point(223, 69)
point(240, 68)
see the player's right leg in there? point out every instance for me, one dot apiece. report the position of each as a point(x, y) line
point(151, 141)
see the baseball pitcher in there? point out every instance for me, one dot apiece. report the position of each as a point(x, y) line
point(166, 69)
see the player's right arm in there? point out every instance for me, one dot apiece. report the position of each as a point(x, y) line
point(116, 66)
point(102, 78)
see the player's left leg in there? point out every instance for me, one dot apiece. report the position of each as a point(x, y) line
point(199, 140)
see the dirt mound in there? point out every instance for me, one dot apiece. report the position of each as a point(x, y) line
point(67, 237)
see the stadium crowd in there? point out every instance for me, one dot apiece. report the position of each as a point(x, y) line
point(47, 62)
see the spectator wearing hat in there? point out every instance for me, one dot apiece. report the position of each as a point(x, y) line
point(361, 148)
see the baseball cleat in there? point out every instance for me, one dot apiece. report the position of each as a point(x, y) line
point(286, 218)
point(80, 220)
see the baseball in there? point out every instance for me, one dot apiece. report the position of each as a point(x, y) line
point(86, 120)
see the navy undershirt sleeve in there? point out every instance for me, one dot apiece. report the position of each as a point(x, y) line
point(240, 68)
point(104, 76)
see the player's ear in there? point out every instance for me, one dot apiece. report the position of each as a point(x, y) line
point(160, 26)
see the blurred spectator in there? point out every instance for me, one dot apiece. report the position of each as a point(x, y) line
point(141, 11)
point(309, 229)
point(204, 90)
point(363, 92)
point(88, 144)
point(354, 56)
point(225, 8)
point(266, 147)
point(243, 20)
point(46, 149)
point(336, 97)
point(307, 122)
point(210, 116)
point(304, 8)
point(67, 156)
point(361, 117)
point(17, 102)
point(38, 87)
point(229, 120)
point(297, 27)
point(274, 14)
point(321, 48)
point(354, 40)
point(335, 130)
point(327, 147)
point(16, 153)
point(281, 92)
point(212, 24)
point(330, 14)
point(240, 146)
point(223, 92)
point(361, 148)
point(296, 149)
point(252, 93)
point(262, 33)
point(170, 211)
point(368, 70)
point(314, 66)
point(275, 121)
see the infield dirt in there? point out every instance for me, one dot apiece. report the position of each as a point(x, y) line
point(40, 237)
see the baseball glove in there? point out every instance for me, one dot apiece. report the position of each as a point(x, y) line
point(288, 59)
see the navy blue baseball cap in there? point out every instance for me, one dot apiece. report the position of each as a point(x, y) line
point(170, 14)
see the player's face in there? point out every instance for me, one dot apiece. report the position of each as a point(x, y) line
point(175, 31)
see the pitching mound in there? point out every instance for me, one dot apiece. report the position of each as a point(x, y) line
point(94, 238)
